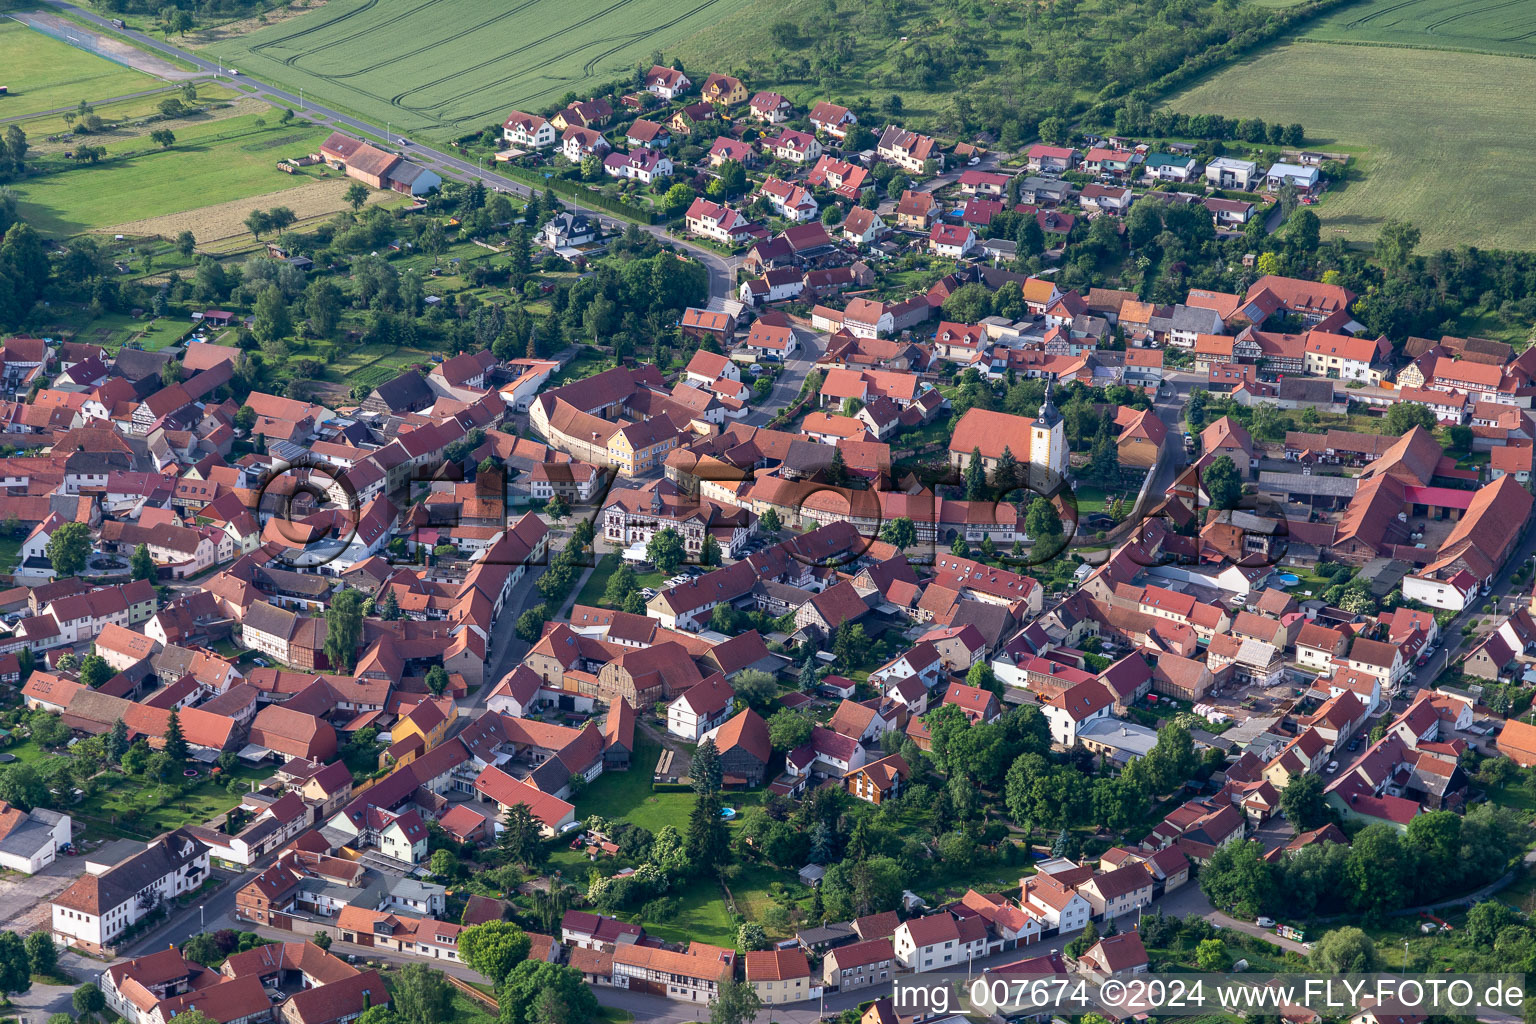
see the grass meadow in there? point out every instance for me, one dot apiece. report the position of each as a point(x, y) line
point(427, 70)
point(222, 160)
point(1441, 139)
point(1475, 25)
point(43, 73)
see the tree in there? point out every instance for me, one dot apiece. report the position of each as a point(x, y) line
point(620, 585)
point(707, 842)
point(163, 137)
point(975, 476)
point(1395, 245)
point(769, 522)
point(94, 670)
point(422, 995)
point(711, 554)
point(1222, 483)
point(1379, 872)
point(343, 628)
point(272, 321)
point(1238, 877)
point(186, 243)
point(1041, 521)
point(88, 999)
point(530, 624)
point(1006, 474)
point(445, 865)
point(42, 953)
point(142, 564)
point(535, 989)
point(982, 677)
point(68, 549)
point(665, 549)
point(736, 1002)
point(437, 680)
point(258, 223)
point(1404, 416)
point(520, 837)
point(322, 939)
point(203, 949)
point(1211, 955)
point(557, 508)
point(706, 770)
point(356, 195)
point(1302, 802)
point(900, 532)
point(751, 936)
point(15, 967)
point(175, 748)
point(117, 741)
point(322, 305)
point(493, 948)
point(1345, 951)
point(788, 729)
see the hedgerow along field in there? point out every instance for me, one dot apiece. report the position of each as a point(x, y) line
point(232, 158)
point(42, 73)
point(440, 69)
point(1483, 26)
point(1442, 139)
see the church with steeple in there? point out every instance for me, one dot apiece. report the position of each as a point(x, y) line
point(1038, 445)
point(1047, 447)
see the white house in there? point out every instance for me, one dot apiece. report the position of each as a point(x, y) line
point(700, 709)
point(30, 842)
point(938, 941)
point(641, 164)
point(1226, 172)
point(1074, 707)
point(528, 130)
point(101, 904)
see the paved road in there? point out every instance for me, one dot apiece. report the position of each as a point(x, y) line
point(787, 385)
point(722, 271)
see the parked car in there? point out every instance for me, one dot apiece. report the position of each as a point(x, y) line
point(1265, 922)
point(1333, 766)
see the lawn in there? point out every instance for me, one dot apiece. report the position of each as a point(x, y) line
point(1442, 24)
point(123, 110)
point(43, 73)
point(1424, 123)
point(10, 553)
point(592, 590)
point(127, 808)
point(217, 162)
point(406, 64)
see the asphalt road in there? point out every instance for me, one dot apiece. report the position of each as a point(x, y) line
point(787, 386)
point(722, 272)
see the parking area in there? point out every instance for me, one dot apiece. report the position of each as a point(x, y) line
point(24, 898)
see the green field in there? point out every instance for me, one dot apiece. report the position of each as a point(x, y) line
point(211, 163)
point(1477, 25)
point(43, 73)
point(440, 70)
point(1443, 139)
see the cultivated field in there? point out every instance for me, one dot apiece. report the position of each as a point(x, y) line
point(1444, 140)
point(43, 73)
point(221, 161)
point(1496, 26)
point(222, 221)
point(440, 69)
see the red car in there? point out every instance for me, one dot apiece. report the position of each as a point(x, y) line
point(1423, 660)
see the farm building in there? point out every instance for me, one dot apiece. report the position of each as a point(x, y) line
point(377, 168)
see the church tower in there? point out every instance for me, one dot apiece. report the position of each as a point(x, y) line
point(1047, 448)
